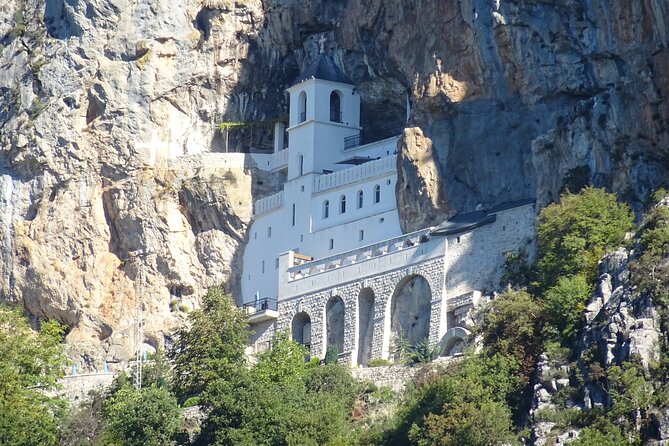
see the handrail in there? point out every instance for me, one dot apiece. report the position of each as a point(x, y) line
point(266, 303)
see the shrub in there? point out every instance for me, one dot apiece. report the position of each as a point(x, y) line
point(573, 234)
point(332, 354)
point(423, 352)
point(564, 304)
point(378, 362)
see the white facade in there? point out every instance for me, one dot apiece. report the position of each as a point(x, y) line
point(329, 249)
point(325, 207)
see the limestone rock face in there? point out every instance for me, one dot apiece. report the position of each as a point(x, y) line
point(501, 99)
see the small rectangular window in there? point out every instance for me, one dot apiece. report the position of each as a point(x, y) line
point(269, 232)
point(361, 235)
point(263, 267)
point(276, 263)
point(331, 243)
point(301, 237)
point(293, 214)
point(458, 240)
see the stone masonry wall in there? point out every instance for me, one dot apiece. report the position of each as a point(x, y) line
point(383, 286)
point(476, 261)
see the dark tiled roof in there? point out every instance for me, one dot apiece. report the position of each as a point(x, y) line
point(471, 220)
point(324, 68)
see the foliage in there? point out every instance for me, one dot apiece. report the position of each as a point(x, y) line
point(212, 348)
point(148, 417)
point(602, 434)
point(629, 389)
point(564, 305)
point(30, 365)
point(478, 381)
point(311, 410)
point(518, 271)
point(466, 424)
point(83, 425)
point(510, 324)
point(651, 270)
point(573, 234)
point(378, 362)
point(332, 354)
point(282, 363)
point(423, 352)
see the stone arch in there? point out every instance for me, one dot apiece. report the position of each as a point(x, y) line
point(335, 106)
point(365, 325)
point(334, 323)
point(302, 107)
point(301, 329)
point(453, 341)
point(410, 309)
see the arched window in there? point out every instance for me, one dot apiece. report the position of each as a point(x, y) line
point(377, 194)
point(300, 164)
point(326, 209)
point(342, 204)
point(335, 107)
point(360, 199)
point(302, 107)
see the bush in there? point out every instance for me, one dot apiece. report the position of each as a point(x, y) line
point(332, 354)
point(564, 305)
point(378, 362)
point(423, 352)
point(147, 417)
point(573, 234)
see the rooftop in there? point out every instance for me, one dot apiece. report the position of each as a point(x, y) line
point(324, 68)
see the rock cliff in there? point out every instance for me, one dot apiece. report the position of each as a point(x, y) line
point(501, 100)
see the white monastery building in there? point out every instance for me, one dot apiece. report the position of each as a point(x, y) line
point(326, 258)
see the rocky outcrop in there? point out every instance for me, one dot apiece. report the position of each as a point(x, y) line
point(504, 100)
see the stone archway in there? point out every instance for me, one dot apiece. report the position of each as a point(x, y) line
point(334, 323)
point(365, 325)
point(301, 329)
point(410, 310)
point(453, 341)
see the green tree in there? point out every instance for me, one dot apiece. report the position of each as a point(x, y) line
point(30, 365)
point(212, 348)
point(574, 233)
point(467, 424)
point(146, 417)
point(510, 325)
point(283, 362)
point(564, 305)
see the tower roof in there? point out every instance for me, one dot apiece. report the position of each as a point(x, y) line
point(324, 68)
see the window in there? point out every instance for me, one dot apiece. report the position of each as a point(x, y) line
point(300, 164)
point(269, 232)
point(302, 107)
point(255, 235)
point(377, 194)
point(335, 107)
point(342, 204)
point(293, 214)
point(361, 235)
point(326, 209)
point(276, 263)
point(331, 243)
point(262, 267)
point(360, 199)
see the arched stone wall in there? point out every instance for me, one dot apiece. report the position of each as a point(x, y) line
point(453, 341)
point(301, 328)
point(334, 323)
point(411, 309)
point(365, 325)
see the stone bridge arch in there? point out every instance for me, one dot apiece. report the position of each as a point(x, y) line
point(301, 329)
point(410, 309)
point(453, 341)
point(335, 323)
point(365, 325)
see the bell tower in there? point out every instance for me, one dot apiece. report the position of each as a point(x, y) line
point(324, 110)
